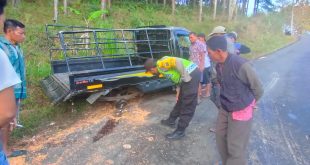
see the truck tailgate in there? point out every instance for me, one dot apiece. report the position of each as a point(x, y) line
point(56, 87)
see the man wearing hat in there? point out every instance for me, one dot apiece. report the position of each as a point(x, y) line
point(221, 31)
point(239, 47)
point(240, 89)
point(185, 74)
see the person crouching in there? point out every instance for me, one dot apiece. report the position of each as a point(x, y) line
point(185, 74)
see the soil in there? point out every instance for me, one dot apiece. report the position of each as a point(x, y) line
point(136, 137)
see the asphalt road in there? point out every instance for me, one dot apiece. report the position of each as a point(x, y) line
point(281, 132)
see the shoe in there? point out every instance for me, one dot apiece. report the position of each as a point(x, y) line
point(212, 130)
point(175, 135)
point(168, 123)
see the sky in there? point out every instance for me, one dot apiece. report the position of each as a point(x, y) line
point(250, 7)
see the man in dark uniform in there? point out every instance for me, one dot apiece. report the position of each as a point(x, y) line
point(187, 75)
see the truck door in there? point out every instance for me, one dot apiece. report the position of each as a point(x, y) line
point(182, 43)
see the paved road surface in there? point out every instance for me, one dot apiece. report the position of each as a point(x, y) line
point(281, 131)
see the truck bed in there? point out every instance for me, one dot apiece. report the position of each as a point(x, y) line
point(62, 86)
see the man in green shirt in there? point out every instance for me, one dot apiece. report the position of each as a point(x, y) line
point(185, 74)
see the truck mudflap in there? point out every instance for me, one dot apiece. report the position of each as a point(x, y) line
point(54, 89)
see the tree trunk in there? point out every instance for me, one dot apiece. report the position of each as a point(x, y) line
point(256, 3)
point(232, 6)
point(173, 6)
point(214, 9)
point(235, 13)
point(200, 11)
point(244, 7)
point(15, 3)
point(109, 4)
point(103, 7)
point(194, 4)
point(55, 11)
point(165, 1)
point(65, 7)
point(224, 7)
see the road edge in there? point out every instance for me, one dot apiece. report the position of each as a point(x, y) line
point(278, 49)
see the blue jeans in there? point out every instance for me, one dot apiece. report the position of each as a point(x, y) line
point(3, 159)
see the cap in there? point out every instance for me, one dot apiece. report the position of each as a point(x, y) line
point(232, 35)
point(218, 30)
point(217, 42)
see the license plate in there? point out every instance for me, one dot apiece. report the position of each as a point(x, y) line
point(97, 86)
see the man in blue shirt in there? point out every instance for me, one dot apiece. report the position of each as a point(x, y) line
point(14, 35)
point(239, 47)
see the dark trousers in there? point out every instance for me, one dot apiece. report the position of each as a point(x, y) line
point(215, 94)
point(187, 101)
point(232, 138)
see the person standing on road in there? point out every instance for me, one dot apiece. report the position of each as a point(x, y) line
point(207, 68)
point(221, 31)
point(197, 52)
point(14, 34)
point(239, 47)
point(185, 74)
point(215, 88)
point(8, 79)
point(240, 89)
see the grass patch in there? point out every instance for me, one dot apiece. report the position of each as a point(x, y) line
point(262, 33)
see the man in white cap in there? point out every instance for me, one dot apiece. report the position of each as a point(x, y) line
point(219, 31)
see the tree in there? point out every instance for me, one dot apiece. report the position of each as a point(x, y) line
point(263, 5)
point(267, 5)
point(256, 4)
point(245, 5)
point(103, 7)
point(109, 4)
point(65, 7)
point(173, 6)
point(224, 7)
point(55, 11)
point(15, 3)
point(214, 9)
point(231, 9)
point(200, 11)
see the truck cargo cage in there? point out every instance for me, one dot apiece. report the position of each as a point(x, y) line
point(99, 49)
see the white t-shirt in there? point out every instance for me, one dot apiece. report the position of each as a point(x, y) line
point(8, 76)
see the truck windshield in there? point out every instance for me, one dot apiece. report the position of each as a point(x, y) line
point(183, 40)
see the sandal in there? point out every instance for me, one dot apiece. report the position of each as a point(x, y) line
point(17, 153)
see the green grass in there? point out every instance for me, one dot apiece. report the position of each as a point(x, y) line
point(262, 33)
